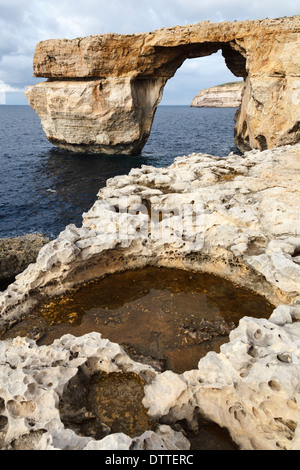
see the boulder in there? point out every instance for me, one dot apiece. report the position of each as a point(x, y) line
point(17, 253)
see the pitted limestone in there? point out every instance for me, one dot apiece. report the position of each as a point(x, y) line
point(252, 386)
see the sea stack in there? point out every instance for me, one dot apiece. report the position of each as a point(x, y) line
point(103, 90)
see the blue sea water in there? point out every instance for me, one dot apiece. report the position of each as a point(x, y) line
point(43, 189)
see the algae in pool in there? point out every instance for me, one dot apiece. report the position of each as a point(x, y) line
point(169, 317)
point(111, 403)
point(105, 404)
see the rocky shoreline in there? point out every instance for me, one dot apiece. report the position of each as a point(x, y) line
point(16, 254)
point(247, 231)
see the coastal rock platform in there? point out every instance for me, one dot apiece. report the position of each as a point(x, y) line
point(236, 217)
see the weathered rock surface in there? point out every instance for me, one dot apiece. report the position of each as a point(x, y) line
point(251, 387)
point(246, 228)
point(17, 253)
point(35, 380)
point(103, 90)
point(248, 232)
point(228, 95)
point(112, 115)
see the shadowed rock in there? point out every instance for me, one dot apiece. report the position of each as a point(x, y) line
point(17, 253)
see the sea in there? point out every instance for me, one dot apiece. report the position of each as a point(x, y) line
point(44, 188)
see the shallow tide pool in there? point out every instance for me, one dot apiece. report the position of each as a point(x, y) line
point(163, 317)
point(166, 317)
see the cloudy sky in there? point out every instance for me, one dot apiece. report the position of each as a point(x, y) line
point(24, 23)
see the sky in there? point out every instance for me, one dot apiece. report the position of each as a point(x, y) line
point(24, 23)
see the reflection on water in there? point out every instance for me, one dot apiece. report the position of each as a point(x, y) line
point(173, 317)
point(43, 189)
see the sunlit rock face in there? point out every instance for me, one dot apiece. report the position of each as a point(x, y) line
point(111, 116)
point(228, 95)
point(102, 91)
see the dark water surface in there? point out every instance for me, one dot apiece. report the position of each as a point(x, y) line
point(43, 189)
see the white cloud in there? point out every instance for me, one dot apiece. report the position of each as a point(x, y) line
point(5, 89)
point(230, 10)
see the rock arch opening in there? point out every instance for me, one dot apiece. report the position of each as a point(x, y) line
point(179, 125)
point(196, 74)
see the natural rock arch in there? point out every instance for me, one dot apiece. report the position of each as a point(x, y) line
point(103, 90)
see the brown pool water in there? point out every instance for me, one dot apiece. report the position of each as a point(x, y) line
point(110, 403)
point(170, 318)
point(105, 404)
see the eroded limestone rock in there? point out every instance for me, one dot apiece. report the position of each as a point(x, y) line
point(248, 232)
point(228, 95)
point(247, 229)
point(112, 115)
point(103, 90)
point(251, 388)
point(32, 381)
point(17, 253)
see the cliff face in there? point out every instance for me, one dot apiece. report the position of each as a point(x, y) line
point(103, 90)
point(228, 95)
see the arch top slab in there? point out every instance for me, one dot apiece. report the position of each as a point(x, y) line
point(102, 91)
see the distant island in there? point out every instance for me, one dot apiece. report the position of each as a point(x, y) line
point(228, 95)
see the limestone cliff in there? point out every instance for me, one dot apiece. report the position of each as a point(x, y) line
point(228, 95)
point(103, 90)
